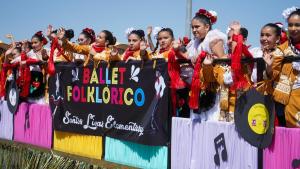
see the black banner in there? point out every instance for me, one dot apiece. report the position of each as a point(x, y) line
point(126, 101)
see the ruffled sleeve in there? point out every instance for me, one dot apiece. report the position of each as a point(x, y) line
point(194, 48)
point(211, 37)
point(81, 49)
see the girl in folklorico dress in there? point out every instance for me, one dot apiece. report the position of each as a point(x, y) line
point(285, 75)
point(11, 60)
point(271, 35)
point(136, 46)
point(82, 49)
point(99, 50)
point(232, 79)
point(59, 54)
point(32, 75)
point(204, 101)
point(170, 52)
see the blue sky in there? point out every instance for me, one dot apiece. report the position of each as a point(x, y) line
point(24, 18)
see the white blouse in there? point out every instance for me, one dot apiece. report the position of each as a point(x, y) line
point(33, 55)
point(195, 47)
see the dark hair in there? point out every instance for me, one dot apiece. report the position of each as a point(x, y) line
point(296, 12)
point(109, 36)
point(69, 33)
point(140, 33)
point(19, 49)
point(275, 27)
point(169, 30)
point(244, 32)
point(204, 19)
point(89, 33)
point(39, 35)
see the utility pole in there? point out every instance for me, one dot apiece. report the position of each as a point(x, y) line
point(188, 18)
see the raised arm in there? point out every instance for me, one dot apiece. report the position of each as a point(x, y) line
point(150, 42)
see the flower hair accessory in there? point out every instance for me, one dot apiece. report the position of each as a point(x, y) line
point(228, 30)
point(211, 15)
point(40, 34)
point(88, 30)
point(128, 31)
point(279, 24)
point(155, 31)
point(283, 35)
point(286, 13)
point(186, 40)
point(91, 32)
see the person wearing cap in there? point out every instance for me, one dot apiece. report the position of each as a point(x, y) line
point(285, 75)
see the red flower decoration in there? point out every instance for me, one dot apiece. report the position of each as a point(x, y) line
point(186, 40)
point(91, 32)
point(88, 30)
point(213, 19)
point(40, 34)
point(283, 37)
point(202, 11)
point(45, 41)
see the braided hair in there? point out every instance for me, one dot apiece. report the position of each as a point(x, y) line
point(169, 30)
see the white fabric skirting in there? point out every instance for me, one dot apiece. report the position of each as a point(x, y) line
point(193, 146)
point(6, 122)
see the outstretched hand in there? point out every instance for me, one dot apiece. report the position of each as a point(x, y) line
point(235, 26)
point(49, 32)
point(114, 51)
point(176, 44)
point(149, 30)
point(268, 58)
point(208, 60)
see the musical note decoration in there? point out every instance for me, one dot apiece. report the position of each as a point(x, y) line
point(219, 142)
